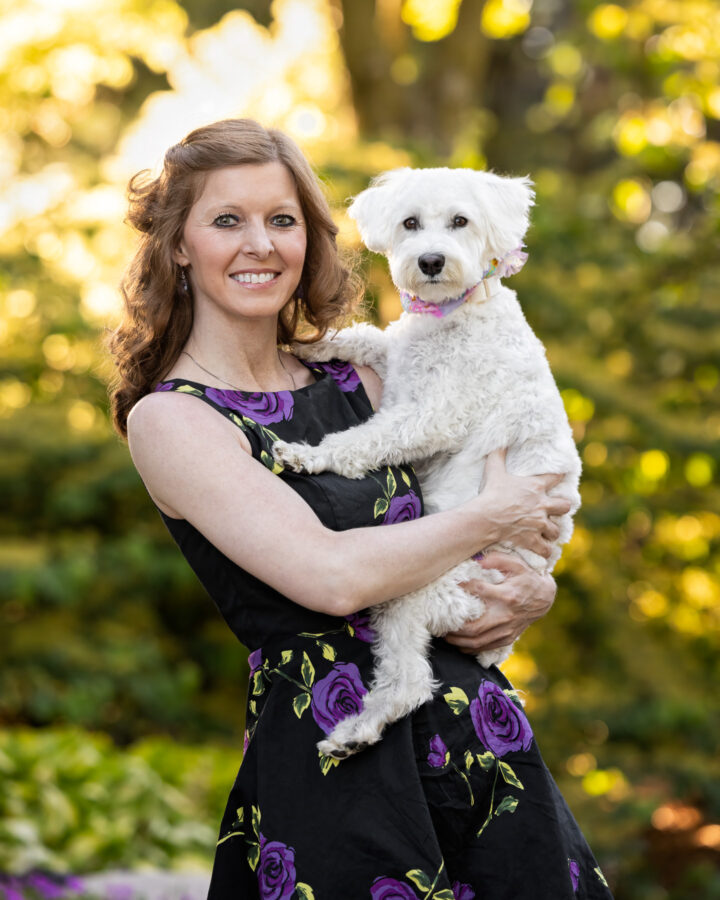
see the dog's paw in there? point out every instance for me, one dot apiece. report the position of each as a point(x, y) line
point(293, 456)
point(349, 737)
point(489, 658)
point(336, 750)
point(299, 457)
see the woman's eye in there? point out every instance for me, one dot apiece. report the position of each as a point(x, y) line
point(284, 220)
point(225, 220)
point(459, 222)
point(411, 224)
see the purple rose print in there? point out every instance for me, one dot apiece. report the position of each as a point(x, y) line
point(499, 724)
point(255, 660)
point(391, 889)
point(263, 408)
point(342, 373)
point(463, 891)
point(276, 870)
point(574, 873)
point(438, 757)
point(360, 622)
point(338, 695)
point(402, 509)
point(163, 386)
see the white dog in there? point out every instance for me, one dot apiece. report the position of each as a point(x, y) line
point(463, 375)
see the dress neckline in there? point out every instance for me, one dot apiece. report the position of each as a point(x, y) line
point(319, 373)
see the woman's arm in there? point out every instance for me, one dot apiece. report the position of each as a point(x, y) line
point(510, 607)
point(373, 385)
point(196, 466)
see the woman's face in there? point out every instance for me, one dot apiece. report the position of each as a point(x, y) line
point(244, 241)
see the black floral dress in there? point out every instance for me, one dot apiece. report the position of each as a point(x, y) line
point(454, 803)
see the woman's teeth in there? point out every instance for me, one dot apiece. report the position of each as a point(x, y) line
point(253, 278)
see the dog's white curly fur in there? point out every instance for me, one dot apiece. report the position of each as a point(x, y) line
point(455, 389)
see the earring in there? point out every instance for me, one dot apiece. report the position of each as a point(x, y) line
point(183, 280)
point(300, 292)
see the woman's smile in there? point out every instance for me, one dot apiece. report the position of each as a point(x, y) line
point(254, 278)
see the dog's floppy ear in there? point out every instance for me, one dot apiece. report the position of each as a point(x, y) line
point(506, 204)
point(371, 209)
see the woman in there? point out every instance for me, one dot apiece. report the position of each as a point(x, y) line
point(237, 247)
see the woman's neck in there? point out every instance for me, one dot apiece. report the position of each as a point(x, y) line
point(240, 355)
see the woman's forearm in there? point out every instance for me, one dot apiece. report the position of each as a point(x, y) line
point(371, 565)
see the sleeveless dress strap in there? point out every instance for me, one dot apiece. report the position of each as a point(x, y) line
point(234, 405)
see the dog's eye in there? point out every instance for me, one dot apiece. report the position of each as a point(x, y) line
point(459, 222)
point(411, 224)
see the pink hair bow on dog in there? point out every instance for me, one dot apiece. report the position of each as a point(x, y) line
point(510, 264)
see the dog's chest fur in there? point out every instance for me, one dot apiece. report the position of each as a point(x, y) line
point(484, 371)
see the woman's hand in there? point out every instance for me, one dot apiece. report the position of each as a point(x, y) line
point(520, 507)
point(510, 607)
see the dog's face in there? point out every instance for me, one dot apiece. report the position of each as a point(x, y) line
point(440, 228)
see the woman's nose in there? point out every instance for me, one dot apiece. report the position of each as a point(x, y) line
point(256, 241)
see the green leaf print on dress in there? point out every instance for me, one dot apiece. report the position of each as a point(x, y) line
point(394, 507)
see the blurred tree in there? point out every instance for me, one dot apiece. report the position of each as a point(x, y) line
point(417, 70)
point(205, 13)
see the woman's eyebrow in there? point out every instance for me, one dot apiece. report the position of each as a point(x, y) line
point(282, 204)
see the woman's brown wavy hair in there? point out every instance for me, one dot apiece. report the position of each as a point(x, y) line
point(158, 314)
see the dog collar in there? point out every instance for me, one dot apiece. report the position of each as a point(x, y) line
point(510, 264)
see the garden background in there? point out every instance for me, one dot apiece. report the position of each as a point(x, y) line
point(122, 691)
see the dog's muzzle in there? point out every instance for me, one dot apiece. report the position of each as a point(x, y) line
point(431, 263)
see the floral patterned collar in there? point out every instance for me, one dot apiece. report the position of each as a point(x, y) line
point(510, 264)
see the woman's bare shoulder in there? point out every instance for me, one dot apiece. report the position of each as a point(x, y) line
point(161, 419)
point(164, 409)
point(176, 441)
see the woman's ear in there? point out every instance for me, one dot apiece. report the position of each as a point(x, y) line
point(179, 256)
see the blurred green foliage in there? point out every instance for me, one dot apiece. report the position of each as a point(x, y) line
point(614, 111)
point(72, 801)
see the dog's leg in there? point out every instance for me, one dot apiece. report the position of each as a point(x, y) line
point(361, 343)
point(403, 680)
point(393, 436)
point(403, 675)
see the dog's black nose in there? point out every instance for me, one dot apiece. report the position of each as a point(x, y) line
point(431, 263)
